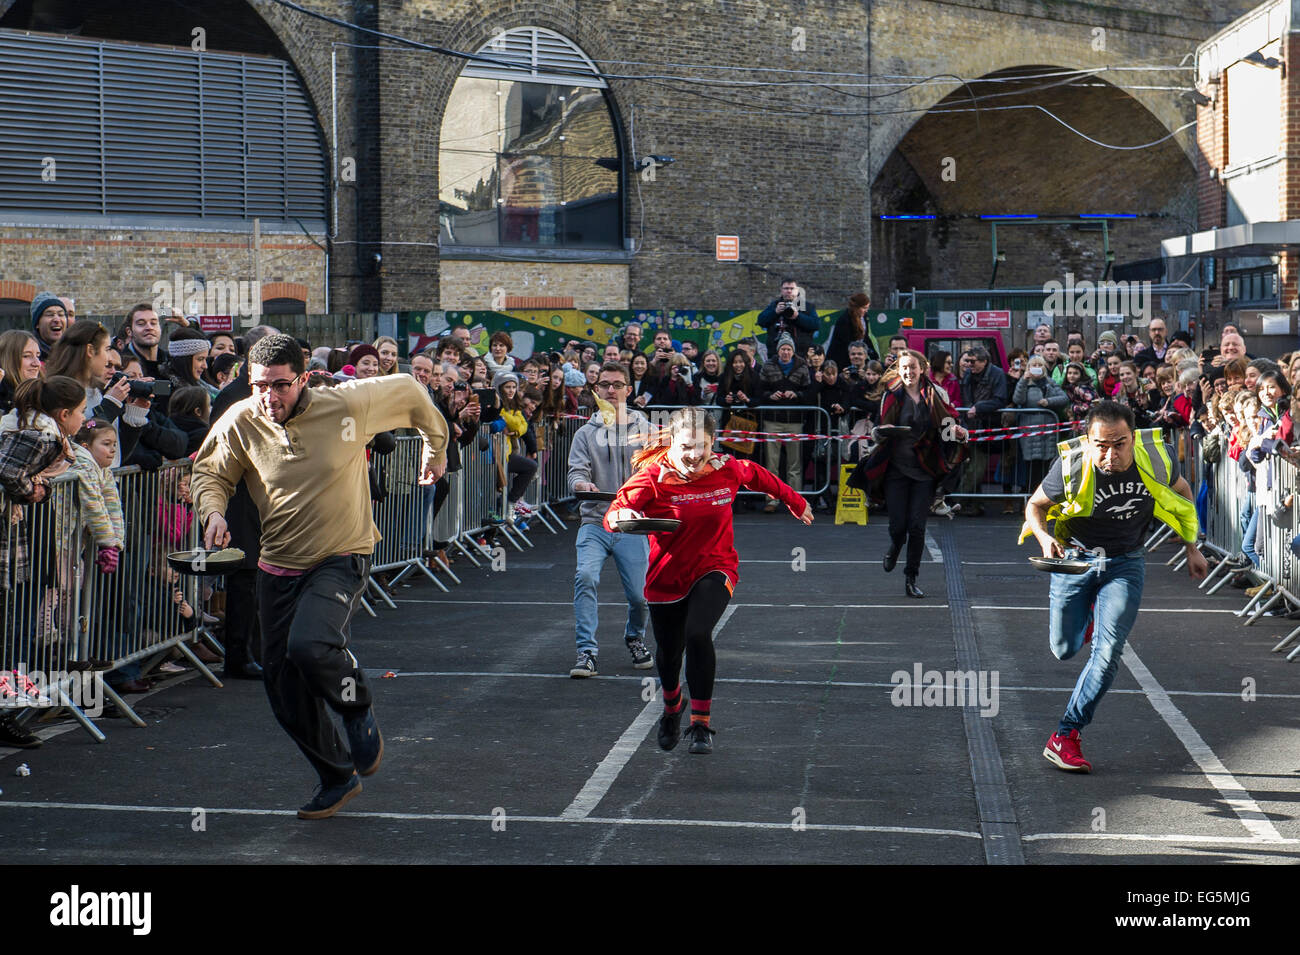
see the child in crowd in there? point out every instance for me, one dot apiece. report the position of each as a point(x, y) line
point(189, 409)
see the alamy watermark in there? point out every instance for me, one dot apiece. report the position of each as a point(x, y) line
point(923, 687)
point(1087, 299)
point(84, 689)
point(208, 296)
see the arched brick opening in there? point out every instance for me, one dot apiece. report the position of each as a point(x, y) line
point(956, 163)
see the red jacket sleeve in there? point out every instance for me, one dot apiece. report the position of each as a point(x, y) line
point(758, 478)
point(636, 493)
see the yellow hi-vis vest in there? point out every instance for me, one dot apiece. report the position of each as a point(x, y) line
point(1154, 467)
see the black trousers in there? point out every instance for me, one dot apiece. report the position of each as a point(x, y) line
point(686, 628)
point(441, 489)
point(242, 635)
point(308, 668)
point(523, 468)
point(908, 502)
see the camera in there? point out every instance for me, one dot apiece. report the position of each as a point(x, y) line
point(143, 389)
point(460, 386)
point(785, 308)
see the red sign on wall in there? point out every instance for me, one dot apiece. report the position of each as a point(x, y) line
point(994, 319)
point(727, 248)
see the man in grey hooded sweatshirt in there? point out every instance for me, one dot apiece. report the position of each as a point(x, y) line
point(600, 459)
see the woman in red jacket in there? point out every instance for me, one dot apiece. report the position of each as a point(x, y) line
point(694, 569)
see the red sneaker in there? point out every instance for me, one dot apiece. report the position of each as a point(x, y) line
point(1064, 752)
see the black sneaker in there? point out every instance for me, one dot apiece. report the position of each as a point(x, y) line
point(326, 802)
point(701, 738)
point(11, 734)
point(670, 727)
point(366, 742)
point(642, 659)
point(585, 667)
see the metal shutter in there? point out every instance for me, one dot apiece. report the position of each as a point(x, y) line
point(155, 132)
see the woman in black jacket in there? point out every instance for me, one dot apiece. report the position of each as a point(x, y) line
point(850, 326)
point(904, 468)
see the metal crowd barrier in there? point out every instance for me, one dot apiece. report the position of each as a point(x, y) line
point(1013, 463)
point(65, 620)
point(1276, 483)
point(816, 421)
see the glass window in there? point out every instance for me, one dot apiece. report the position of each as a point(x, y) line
point(524, 164)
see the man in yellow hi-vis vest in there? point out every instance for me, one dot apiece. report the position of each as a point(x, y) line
point(1102, 492)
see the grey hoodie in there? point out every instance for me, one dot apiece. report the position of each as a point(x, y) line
point(602, 456)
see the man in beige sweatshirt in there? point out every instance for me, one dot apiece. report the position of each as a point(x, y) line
point(301, 453)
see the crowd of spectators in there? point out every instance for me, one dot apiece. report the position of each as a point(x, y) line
point(151, 387)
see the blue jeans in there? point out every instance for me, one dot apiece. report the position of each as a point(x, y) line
point(631, 553)
point(1248, 536)
point(1114, 588)
point(1243, 521)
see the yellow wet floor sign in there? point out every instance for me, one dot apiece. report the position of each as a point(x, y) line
point(851, 506)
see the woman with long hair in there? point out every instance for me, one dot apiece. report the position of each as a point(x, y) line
point(187, 360)
point(692, 571)
point(904, 468)
point(387, 350)
point(942, 374)
point(709, 380)
point(850, 326)
point(20, 360)
point(82, 354)
point(642, 389)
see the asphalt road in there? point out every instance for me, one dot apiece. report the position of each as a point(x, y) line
point(494, 755)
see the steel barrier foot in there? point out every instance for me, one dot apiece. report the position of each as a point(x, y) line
point(1182, 560)
point(468, 553)
point(510, 537)
point(1263, 588)
point(122, 708)
point(523, 535)
point(1293, 654)
point(428, 573)
point(446, 568)
point(406, 569)
point(199, 665)
point(556, 517)
point(1218, 568)
point(1219, 585)
point(541, 516)
point(1263, 608)
point(365, 605)
point(1158, 538)
point(383, 594)
point(1281, 644)
point(208, 637)
point(65, 702)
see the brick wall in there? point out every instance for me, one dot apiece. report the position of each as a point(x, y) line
point(796, 186)
point(470, 285)
point(109, 271)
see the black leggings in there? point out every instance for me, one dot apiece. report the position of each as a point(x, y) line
point(908, 502)
point(686, 626)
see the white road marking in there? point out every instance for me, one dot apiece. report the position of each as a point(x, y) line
point(692, 823)
point(594, 790)
point(487, 818)
point(1044, 609)
point(623, 603)
point(932, 546)
point(1163, 837)
point(1234, 794)
point(1226, 694)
